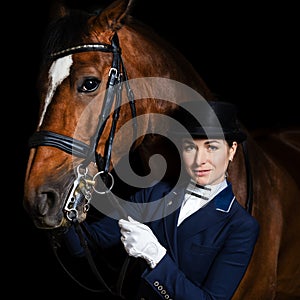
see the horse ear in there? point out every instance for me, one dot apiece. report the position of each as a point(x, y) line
point(58, 9)
point(113, 16)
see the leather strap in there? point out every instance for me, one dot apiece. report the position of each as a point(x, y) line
point(60, 141)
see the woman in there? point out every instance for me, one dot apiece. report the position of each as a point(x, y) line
point(198, 239)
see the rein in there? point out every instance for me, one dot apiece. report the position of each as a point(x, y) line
point(249, 198)
point(81, 191)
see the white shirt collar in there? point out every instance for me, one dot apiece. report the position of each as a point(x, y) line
point(206, 192)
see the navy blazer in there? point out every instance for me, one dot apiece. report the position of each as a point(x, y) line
point(207, 255)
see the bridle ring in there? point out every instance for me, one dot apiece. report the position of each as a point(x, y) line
point(108, 189)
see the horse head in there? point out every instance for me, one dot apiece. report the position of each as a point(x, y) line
point(90, 59)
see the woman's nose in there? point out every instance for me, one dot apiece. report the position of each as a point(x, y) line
point(200, 157)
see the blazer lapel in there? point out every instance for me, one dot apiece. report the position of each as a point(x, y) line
point(172, 208)
point(217, 210)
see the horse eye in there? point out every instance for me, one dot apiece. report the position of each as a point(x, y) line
point(89, 85)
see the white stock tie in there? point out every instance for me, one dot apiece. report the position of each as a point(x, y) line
point(197, 196)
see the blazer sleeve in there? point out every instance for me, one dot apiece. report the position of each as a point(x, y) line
point(99, 235)
point(105, 232)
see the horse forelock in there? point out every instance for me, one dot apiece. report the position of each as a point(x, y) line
point(65, 32)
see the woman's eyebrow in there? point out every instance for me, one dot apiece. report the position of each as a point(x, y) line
point(188, 141)
point(212, 141)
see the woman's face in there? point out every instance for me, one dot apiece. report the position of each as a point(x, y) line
point(206, 160)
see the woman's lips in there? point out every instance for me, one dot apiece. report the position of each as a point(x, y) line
point(200, 173)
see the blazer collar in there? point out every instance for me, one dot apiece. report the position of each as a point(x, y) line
point(222, 201)
point(225, 199)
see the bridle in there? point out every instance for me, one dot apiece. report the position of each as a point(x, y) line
point(117, 77)
point(80, 193)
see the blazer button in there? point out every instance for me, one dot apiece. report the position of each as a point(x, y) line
point(156, 283)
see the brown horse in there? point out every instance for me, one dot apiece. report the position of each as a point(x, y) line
point(95, 61)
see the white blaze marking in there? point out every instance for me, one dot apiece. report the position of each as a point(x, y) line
point(59, 70)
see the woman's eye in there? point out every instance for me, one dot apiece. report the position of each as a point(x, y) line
point(89, 85)
point(189, 148)
point(212, 148)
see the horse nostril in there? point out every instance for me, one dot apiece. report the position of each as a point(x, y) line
point(46, 202)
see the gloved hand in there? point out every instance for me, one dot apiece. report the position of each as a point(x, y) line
point(139, 241)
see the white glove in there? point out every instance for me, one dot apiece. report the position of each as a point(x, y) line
point(139, 241)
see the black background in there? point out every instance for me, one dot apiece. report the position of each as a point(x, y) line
point(245, 52)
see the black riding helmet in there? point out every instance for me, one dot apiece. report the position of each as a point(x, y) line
point(207, 119)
